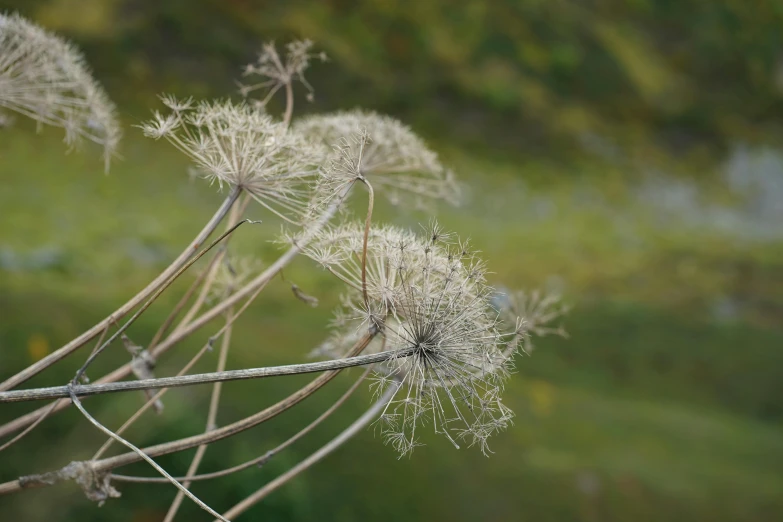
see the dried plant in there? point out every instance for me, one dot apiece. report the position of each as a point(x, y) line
point(243, 147)
point(383, 150)
point(45, 78)
point(417, 312)
point(429, 301)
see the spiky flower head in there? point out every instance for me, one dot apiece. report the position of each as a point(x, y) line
point(429, 302)
point(532, 313)
point(45, 78)
point(383, 150)
point(242, 146)
point(277, 71)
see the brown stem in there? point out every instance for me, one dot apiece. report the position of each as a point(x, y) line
point(146, 458)
point(367, 223)
point(152, 299)
point(214, 404)
point(150, 402)
point(164, 327)
point(249, 290)
point(328, 448)
point(289, 103)
point(202, 296)
point(261, 460)
point(213, 436)
point(164, 276)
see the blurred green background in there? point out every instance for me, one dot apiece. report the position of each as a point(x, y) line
point(626, 153)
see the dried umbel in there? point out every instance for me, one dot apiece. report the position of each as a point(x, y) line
point(242, 146)
point(533, 314)
point(45, 78)
point(278, 71)
point(385, 152)
point(430, 304)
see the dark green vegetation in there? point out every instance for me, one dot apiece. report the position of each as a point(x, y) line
point(665, 403)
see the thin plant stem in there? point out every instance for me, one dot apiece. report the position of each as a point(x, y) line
point(252, 289)
point(150, 402)
point(210, 278)
point(289, 103)
point(48, 409)
point(83, 390)
point(213, 436)
point(358, 425)
point(161, 279)
point(262, 459)
point(149, 460)
point(32, 426)
point(154, 296)
point(214, 404)
point(367, 224)
point(164, 327)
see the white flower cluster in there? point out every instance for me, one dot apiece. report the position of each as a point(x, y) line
point(277, 71)
point(428, 299)
point(45, 78)
point(243, 146)
point(386, 152)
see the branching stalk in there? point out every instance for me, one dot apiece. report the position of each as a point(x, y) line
point(263, 459)
point(358, 425)
point(213, 436)
point(164, 276)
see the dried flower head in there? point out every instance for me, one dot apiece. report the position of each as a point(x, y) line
point(428, 299)
point(45, 78)
point(277, 71)
point(533, 314)
point(384, 151)
point(245, 147)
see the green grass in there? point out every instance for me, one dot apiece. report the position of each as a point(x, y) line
point(660, 407)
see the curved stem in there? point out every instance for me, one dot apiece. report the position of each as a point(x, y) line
point(328, 448)
point(164, 276)
point(212, 272)
point(261, 460)
point(152, 299)
point(150, 402)
point(250, 290)
point(214, 404)
point(205, 438)
point(143, 456)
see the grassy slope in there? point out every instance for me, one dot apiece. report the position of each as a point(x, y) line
point(652, 410)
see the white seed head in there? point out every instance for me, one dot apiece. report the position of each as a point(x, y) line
point(276, 70)
point(383, 150)
point(243, 146)
point(45, 78)
point(531, 314)
point(430, 303)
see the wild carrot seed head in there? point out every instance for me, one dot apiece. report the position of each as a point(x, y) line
point(45, 78)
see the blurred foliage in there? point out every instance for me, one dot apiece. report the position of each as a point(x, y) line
point(667, 401)
point(677, 73)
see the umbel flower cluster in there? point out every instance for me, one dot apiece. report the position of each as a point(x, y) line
point(45, 78)
point(429, 301)
point(384, 150)
point(436, 340)
point(242, 146)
